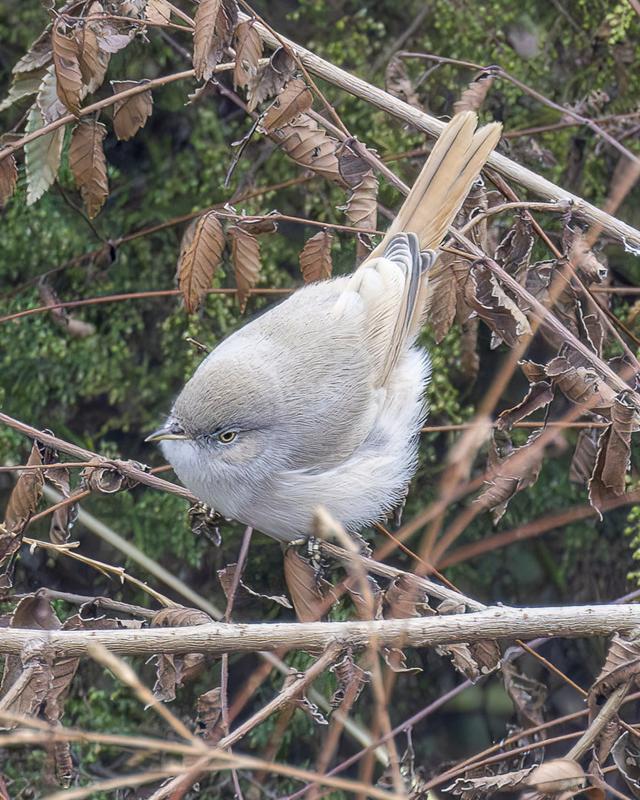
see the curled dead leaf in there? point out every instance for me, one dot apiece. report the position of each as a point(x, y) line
point(66, 62)
point(584, 456)
point(539, 395)
point(351, 680)
point(201, 254)
point(406, 597)
point(621, 666)
point(613, 458)
point(315, 257)
point(226, 577)
point(398, 83)
point(245, 254)
point(293, 100)
point(173, 671)
point(105, 477)
point(270, 79)
point(214, 23)
point(248, 47)
point(476, 788)
point(89, 165)
point(493, 305)
point(626, 756)
point(131, 113)
point(209, 716)
point(8, 178)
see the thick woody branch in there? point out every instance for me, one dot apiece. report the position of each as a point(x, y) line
point(217, 638)
point(505, 166)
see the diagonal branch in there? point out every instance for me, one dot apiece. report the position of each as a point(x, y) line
point(425, 122)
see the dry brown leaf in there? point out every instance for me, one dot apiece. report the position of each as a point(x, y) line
point(213, 31)
point(67, 66)
point(362, 602)
point(245, 254)
point(613, 457)
point(226, 578)
point(514, 251)
point(398, 83)
point(260, 225)
point(406, 597)
point(293, 100)
point(558, 775)
point(271, 78)
point(484, 295)
point(157, 11)
point(582, 385)
point(8, 178)
point(248, 47)
point(209, 716)
point(528, 695)
point(106, 478)
point(93, 60)
point(362, 205)
point(476, 788)
point(626, 755)
point(621, 666)
point(469, 356)
point(89, 165)
point(307, 591)
point(173, 671)
point(582, 257)
point(539, 395)
point(62, 519)
point(584, 456)
point(130, 114)
point(201, 254)
point(315, 257)
point(510, 472)
point(475, 93)
point(23, 500)
point(443, 292)
point(309, 146)
point(351, 680)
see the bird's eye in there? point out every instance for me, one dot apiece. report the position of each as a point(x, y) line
point(226, 437)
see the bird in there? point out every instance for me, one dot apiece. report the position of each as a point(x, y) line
point(319, 401)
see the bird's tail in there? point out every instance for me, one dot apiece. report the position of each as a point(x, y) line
point(441, 187)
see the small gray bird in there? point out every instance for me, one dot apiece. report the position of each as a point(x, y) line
point(319, 401)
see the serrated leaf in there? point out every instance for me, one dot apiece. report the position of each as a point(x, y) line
point(42, 156)
point(362, 205)
point(131, 113)
point(245, 254)
point(24, 85)
point(293, 100)
point(213, 31)
point(484, 295)
point(8, 178)
point(157, 11)
point(50, 105)
point(92, 59)
point(248, 47)
point(200, 257)
point(67, 67)
point(315, 258)
point(89, 165)
point(37, 56)
point(310, 146)
point(539, 395)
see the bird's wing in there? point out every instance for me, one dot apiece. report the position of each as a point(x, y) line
point(392, 282)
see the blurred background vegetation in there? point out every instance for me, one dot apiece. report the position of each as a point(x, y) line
point(106, 391)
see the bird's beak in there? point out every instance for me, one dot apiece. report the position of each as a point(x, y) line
point(169, 431)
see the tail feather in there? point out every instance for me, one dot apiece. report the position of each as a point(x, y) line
point(440, 189)
point(392, 282)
